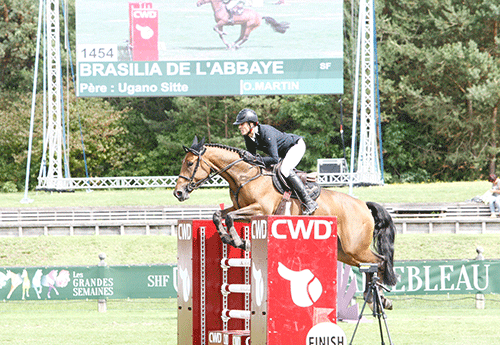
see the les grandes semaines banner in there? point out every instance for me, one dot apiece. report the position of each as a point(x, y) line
point(160, 281)
point(84, 282)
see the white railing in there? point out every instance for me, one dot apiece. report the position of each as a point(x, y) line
point(44, 183)
point(119, 214)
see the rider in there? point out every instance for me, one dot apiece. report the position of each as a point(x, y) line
point(233, 7)
point(277, 145)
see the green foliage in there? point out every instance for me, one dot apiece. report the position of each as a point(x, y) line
point(9, 187)
point(105, 138)
point(441, 60)
point(18, 28)
point(107, 148)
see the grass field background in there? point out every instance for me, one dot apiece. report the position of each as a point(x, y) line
point(415, 320)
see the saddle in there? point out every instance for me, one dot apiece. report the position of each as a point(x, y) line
point(281, 185)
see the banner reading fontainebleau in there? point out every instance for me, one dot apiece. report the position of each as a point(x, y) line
point(443, 277)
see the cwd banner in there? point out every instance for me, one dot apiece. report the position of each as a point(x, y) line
point(81, 282)
point(442, 277)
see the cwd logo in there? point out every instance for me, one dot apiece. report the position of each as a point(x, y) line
point(304, 286)
point(146, 32)
point(259, 285)
point(319, 229)
point(186, 283)
point(259, 229)
point(184, 231)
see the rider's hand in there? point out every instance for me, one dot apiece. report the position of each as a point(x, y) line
point(248, 157)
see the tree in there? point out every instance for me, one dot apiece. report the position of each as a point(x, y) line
point(18, 30)
point(440, 72)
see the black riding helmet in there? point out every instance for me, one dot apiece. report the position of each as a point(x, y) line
point(246, 115)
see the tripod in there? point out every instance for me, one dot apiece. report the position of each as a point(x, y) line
point(378, 309)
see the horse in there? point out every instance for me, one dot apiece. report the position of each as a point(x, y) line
point(26, 283)
point(248, 19)
point(36, 282)
point(49, 281)
point(15, 281)
point(359, 224)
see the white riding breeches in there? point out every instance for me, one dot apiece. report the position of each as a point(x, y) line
point(293, 157)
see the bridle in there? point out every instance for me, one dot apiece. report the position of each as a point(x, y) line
point(192, 184)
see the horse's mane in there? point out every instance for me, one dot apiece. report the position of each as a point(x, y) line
point(241, 152)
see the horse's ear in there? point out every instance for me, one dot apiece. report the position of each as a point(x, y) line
point(202, 142)
point(195, 142)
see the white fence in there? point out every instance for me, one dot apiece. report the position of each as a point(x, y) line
point(470, 218)
point(47, 184)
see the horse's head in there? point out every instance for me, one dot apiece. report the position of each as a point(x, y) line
point(194, 169)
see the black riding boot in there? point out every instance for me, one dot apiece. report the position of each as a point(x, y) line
point(309, 205)
point(230, 21)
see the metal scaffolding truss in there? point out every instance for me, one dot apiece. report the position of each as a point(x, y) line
point(368, 166)
point(54, 172)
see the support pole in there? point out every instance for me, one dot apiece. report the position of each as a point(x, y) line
point(102, 305)
point(25, 199)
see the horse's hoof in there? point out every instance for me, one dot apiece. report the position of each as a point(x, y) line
point(226, 239)
point(244, 245)
point(387, 304)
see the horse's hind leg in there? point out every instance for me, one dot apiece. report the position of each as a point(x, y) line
point(354, 257)
point(245, 32)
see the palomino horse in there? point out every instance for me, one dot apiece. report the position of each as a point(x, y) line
point(252, 193)
point(249, 20)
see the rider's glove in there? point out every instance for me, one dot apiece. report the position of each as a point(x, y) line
point(250, 158)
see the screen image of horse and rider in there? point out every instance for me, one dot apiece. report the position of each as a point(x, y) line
point(186, 31)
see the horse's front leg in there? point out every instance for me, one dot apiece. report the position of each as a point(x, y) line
point(221, 229)
point(243, 215)
point(219, 29)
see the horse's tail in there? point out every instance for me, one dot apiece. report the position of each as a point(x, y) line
point(383, 237)
point(278, 27)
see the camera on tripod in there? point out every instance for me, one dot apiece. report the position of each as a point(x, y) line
point(368, 268)
point(373, 295)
